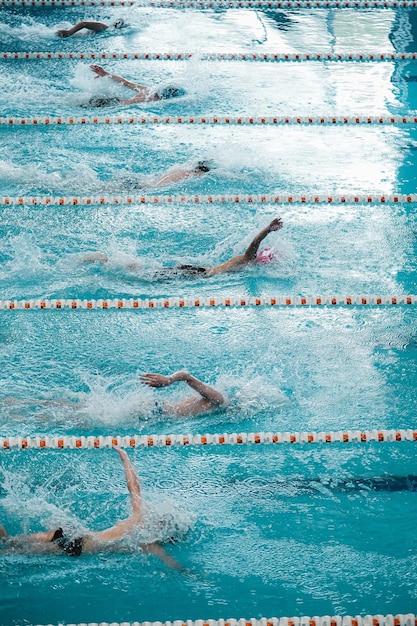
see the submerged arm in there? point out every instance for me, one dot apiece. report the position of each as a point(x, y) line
point(157, 550)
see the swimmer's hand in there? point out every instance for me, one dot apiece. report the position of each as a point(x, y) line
point(122, 453)
point(276, 224)
point(156, 380)
point(100, 71)
point(62, 33)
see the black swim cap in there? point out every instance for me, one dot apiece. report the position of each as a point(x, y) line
point(202, 166)
point(170, 92)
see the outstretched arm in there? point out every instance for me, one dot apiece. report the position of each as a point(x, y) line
point(132, 482)
point(101, 73)
point(210, 394)
point(96, 27)
point(125, 526)
point(249, 256)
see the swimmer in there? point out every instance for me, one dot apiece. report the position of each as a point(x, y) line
point(144, 94)
point(252, 255)
point(209, 398)
point(171, 177)
point(181, 173)
point(92, 27)
point(58, 541)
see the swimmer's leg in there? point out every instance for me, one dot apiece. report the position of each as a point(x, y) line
point(43, 537)
point(95, 257)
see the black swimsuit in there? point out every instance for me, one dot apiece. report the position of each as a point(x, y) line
point(180, 270)
point(72, 547)
point(103, 101)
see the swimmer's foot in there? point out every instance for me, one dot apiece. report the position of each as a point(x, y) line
point(95, 257)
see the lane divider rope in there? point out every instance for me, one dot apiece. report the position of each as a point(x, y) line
point(407, 619)
point(218, 56)
point(150, 441)
point(217, 301)
point(210, 199)
point(219, 4)
point(230, 120)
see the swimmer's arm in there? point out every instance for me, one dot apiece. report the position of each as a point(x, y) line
point(157, 550)
point(250, 254)
point(96, 27)
point(252, 249)
point(132, 482)
point(101, 72)
point(205, 391)
point(228, 266)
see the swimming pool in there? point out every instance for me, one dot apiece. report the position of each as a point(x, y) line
point(263, 529)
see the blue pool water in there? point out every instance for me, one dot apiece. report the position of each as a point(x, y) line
point(263, 530)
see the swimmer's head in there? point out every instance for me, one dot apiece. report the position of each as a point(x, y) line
point(266, 255)
point(119, 23)
point(202, 167)
point(165, 93)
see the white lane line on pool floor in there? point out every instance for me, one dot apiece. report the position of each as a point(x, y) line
point(210, 199)
point(95, 442)
point(215, 120)
point(158, 303)
point(218, 56)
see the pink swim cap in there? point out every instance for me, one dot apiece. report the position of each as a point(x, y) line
point(266, 255)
